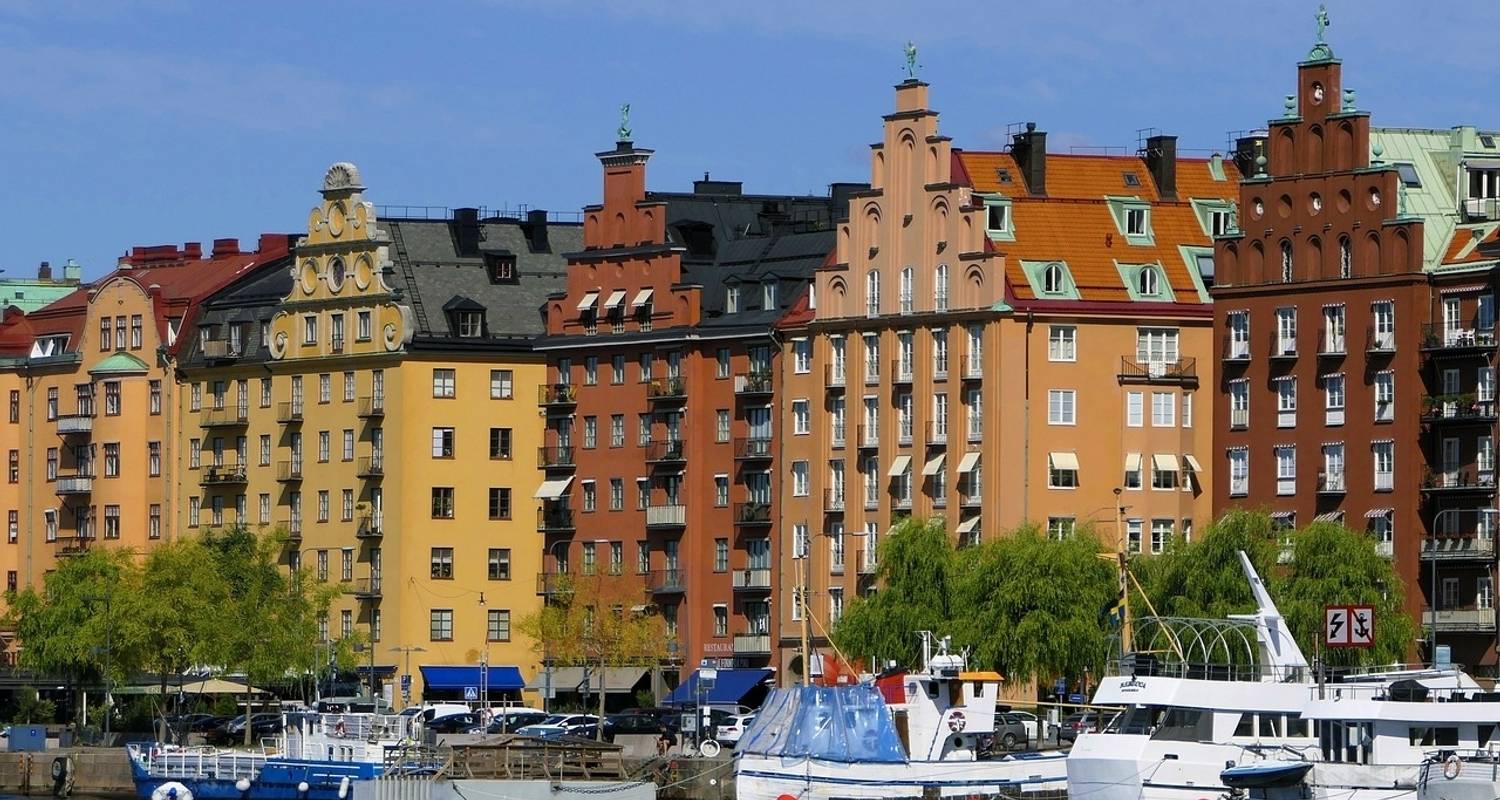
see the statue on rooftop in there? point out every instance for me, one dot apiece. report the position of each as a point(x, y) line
point(1322, 19)
point(623, 133)
point(911, 60)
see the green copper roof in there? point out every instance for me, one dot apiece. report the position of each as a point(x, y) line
point(119, 364)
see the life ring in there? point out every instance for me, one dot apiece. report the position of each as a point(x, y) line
point(1452, 766)
point(956, 722)
point(709, 748)
point(59, 768)
point(171, 790)
point(339, 731)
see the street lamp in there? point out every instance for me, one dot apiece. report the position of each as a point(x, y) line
point(1432, 584)
point(406, 686)
point(546, 653)
point(109, 629)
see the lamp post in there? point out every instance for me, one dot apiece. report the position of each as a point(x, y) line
point(408, 650)
point(484, 661)
point(109, 629)
point(546, 650)
point(708, 674)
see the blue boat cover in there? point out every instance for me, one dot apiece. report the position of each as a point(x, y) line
point(458, 676)
point(848, 724)
point(729, 689)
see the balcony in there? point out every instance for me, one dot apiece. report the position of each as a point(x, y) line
point(371, 526)
point(1458, 481)
point(1444, 341)
point(756, 383)
point(1461, 620)
point(224, 417)
point(754, 579)
point(551, 583)
point(1239, 418)
point(1332, 344)
point(833, 501)
point(555, 520)
point(752, 515)
point(75, 545)
point(666, 581)
point(973, 369)
point(557, 396)
point(75, 424)
point(836, 438)
point(366, 589)
point(901, 371)
point(667, 390)
point(555, 457)
point(1331, 483)
point(972, 498)
point(336, 344)
point(288, 471)
point(1458, 548)
point(867, 562)
point(872, 373)
point(1236, 351)
point(289, 413)
point(872, 498)
point(1481, 208)
point(220, 350)
point(869, 437)
point(752, 449)
point(904, 432)
point(1283, 347)
point(81, 483)
point(670, 452)
point(752, 644)
point(1458, 409)
point(1182, 372)
point(224, 475)
point(372, 407)
point(370, 466)
point(835, 376)
point(293, 527)
point(1379, 342)
point(937, 433)
point(666, 516)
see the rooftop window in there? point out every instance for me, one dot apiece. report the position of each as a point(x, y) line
point(1409, 177)
point(1002, 174)
point(470, 324)
point(1132, 179)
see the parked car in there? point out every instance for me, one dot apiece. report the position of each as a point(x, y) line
point(558, 725)
point(455, 723)
point(260, 725)
point(732, 729)
point(1036, 728)
point(511, 722)
point(1082, 722)
point(1010, 730)
point(627, 724)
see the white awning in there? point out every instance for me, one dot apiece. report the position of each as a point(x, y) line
point(1164, 462)
point(968, 525)
point(1132, 462)
point(641, 298)
point(1329, 516)
point(935, 465)
point(553, 489)
point(1064, 459)
point(588, 301)
point(1478, 287)
point(900, 466)
point(1192, 463)
point(615, 299)
point(1279, 515)
point(1376, 513)
point(968, 463)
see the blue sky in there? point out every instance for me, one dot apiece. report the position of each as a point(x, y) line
point(171, 120)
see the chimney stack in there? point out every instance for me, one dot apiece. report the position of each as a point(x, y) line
point(226, 247)
point(1029, 149)
point(44, 272)
point(1246, 148)
point(72, 271)
point(193, 250)
point(466, 229)
point(535, 229)
point(1161, 160)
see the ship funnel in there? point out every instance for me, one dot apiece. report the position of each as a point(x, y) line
point(1279, 654)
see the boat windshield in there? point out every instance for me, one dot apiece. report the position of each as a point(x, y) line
point(849, 724)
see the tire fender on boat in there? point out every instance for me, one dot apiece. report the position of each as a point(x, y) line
point(1452, 766)
point(171, 790)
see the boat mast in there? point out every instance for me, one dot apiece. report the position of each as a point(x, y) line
point(1127, 641)
point(801, 601)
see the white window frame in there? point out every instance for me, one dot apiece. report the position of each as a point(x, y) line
point(1062, 407)
point(1062, 343)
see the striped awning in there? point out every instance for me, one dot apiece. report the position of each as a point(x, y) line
point(1132, 462)
point(1280, 515)
point(553, 489)
point(616, 298)
point(641, 298)
point(1329, 516)
point(1376, 513)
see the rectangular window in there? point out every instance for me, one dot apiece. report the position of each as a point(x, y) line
point(499, 564)
point(721, 491)
point(802, 356)
point(498, 625)
point(1059, 528)
point(443, 383)
point(590, 432)
point(440, 560)
point(322, 505)
point(325, 388)
point(616, 494)
point(442, 502)
point(799, 478)
point(801, 418)
point(1156, 345)
point(310, 329)
point(1286, 469)
point(440, 625)
point(721, 555)
point(617, 430)
point(502, 384)
point(1286, 401)
point(1133, 531)
point(111, 459)
point(590, 498)
point(500, 439)
point(499, 503)
point(111, 398)
point(1135, 221)
point(442, 442)
point(1062, 343)
point(617, 369)
point(1239, 334)
point(721, 425)
point(1161, 534)
point(1061, 407)
point(1384, 457)
point(1286, 332)
point(1163, 410)
point(1385, 396)
point(1135, 409)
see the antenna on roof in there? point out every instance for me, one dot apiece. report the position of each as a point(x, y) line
point(1142, 136)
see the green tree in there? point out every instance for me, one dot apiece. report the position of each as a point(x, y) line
point(591, 622)
point(916, 572)
point(1034, 607)
point(30, 707)
point(1203, 578)
point(1332, 565)
point(179, 613)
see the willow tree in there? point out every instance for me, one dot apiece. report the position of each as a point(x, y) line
point(1332, 565)
point(916, 575)
point(1203, 578)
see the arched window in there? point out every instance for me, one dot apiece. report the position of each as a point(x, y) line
point(906, 289)
point(1052, 279)
point(1286, 261)
point(872, 293)
point(940, 288)
point(1346, 257)
point(1148, 283)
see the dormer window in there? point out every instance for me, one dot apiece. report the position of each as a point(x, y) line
point(732, 300)
point(501, 267)
point(1148, 282)
point(768, 295)
point(1135, 222)
point(470, 324)
point(465, 317)
point(1053, 280)
point(998, 218)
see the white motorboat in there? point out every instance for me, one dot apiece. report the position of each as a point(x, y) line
point(906, 735)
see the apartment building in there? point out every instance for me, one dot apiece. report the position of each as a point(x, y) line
point(30, 294)
point(1000, 338)
point(662, 439)
point(1355, 312)
point(372, 401)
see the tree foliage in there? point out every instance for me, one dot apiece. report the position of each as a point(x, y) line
point(1203, 578)
point(916, 573)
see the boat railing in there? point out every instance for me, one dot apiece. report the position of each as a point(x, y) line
point(1144, 665)
point(201, 762)
point(367, 727)
point(1395, 693)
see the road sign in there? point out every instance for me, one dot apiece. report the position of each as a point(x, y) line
point(406, 683)
point(471, 693)
point(1349, 626)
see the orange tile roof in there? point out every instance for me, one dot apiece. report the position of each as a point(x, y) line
point(1073, 222)
point(1462, 239)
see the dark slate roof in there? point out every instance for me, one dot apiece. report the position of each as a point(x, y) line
point(253, 299)
point(438, 261)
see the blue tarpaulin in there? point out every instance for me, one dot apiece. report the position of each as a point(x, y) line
point(848, 724)
point(729, 688)
point(459, 676)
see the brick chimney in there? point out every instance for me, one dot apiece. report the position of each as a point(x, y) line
point(1029, 149)
point(44, 272)
point(1161, 160)
point(226, 247)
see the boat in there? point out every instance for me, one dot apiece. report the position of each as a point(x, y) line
point(1265, 774)
point(1202, 698)
point(1460, 775)
point(316, 758)
point(514, 766)
point(917, 734)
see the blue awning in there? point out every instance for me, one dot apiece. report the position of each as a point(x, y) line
point(460, 676)
point(729, 689)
